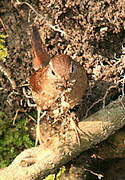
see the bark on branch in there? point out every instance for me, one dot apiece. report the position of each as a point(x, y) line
point(41, 161)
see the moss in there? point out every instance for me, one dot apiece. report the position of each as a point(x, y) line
point(13, 139)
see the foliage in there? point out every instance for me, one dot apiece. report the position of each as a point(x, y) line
point(13, 138)
point(61, 171)
point(3, 49)
point(54, 176)
point(50, 177)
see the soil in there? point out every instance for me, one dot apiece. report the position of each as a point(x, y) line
point(90, 31)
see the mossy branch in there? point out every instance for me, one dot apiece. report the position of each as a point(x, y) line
point(40, 161)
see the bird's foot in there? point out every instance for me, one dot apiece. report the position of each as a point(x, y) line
point(38, 132)
point(77, 129)
point(38, 136)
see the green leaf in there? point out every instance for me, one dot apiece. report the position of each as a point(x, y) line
point(3, 49)
point(50, 177)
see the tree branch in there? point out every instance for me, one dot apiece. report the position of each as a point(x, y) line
point(40, 161)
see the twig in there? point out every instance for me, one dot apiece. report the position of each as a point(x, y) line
point(3, 24)
point(32, 118)
point(98, 175)
point(21, 3)
point(17, 112)
point(25, 94)
point(28, 97)
point(7, 73)
point(21, 110)
point(55, 28)
point(104, 97)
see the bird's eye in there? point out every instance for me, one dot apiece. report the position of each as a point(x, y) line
point(53, 72)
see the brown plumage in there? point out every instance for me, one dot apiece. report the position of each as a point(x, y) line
point(41, 58)
point(59, 79)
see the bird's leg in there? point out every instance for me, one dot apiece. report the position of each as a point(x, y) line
point(38, 133)
point(78, 131)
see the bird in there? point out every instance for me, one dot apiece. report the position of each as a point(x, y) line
point(57, 82)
